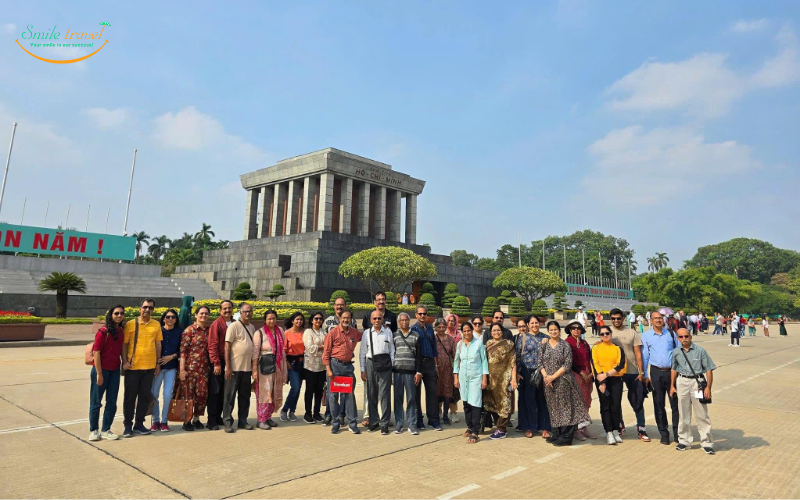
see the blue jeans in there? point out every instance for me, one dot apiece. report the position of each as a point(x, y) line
point(404, 382)
point(168, 378)
point(717, 330)
point(347, 401)
point(110, 388)
point(295, 381)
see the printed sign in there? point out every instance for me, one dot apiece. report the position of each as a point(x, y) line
point(48, 241)
point(341, 385)
point(599, 291)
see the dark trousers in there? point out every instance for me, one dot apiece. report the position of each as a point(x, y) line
point(237, 390)
point(734, 338)
point(533, 414)
point(635, 397)
point(110, 388)
point(661, 384)
point(431, 400)
point(611, 404)
point(138, 384)
point(472, 417)
point(216, 396)
point(315, 387)
point(379, 386)
point(562, 436)
point(347, 400)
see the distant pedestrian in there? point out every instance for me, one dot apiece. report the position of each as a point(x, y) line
point(185, 314)
point(170, 350)
point(782, 324)
point(765, 325)
point(405, 298)
point(735, 333)
point(751, 326)
point(717, 324)
point(692, 372)
point(581, 317)
point(106, 351)
point(140, 356)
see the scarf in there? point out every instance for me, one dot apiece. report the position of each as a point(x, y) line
point(273, 342)
point(455, 333)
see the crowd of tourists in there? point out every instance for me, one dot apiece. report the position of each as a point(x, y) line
point(217, 364)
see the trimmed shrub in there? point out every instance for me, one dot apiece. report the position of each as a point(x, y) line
point(427, 299)
point(243, 292)
point(559, 304)
point(391, 298)
point(578, 303)
point(340, 293)
point(516, 307)
point(504, 298)
point(427, 287)
point(540, 308)
point(277, 291)
point(450, 293)
point(639, 309)
point(489, 306)
point(461, 306)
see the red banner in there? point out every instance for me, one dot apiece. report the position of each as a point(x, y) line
point(342, 385)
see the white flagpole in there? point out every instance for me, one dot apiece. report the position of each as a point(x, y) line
point(66, 224)
point(600, 261)
point(8, 161)
point(616, 283)
point(87, 218)
point(543, 266)
point(46, 209)
point(130, 188)
point(24, 202)
point(519, 238)
point(108, 212)
point(583, 263)
point(565, 261)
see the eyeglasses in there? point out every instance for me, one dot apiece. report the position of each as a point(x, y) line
point(605, 334)
point(684, 336)
point(246, 312)
point(147, 308)
point(377, 317)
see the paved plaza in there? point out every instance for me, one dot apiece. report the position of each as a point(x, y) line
point(44, 394)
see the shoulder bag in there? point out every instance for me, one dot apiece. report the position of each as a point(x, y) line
point(536, 379)
point(88, 354)
point(701, 379)
point(380, 362)
point(181, 408)
point(266, 361)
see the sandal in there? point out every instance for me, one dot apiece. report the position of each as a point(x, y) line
point(466, 434)
point(472, 439)
point(528, 434)
point(545, 434)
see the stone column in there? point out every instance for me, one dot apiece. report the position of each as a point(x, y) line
point(393, 214)
point(380, 213)
point(265, 203)
point(309, 192)
point(251, 215)
point(411, 219)
point(325, 202)
point(346, 206)
point(294, 198)
point(278, 199)
point(363, 210)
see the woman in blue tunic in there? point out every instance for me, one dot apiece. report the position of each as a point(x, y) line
point(533, 415)
point(470, 376)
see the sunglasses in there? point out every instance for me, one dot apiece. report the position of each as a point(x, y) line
point(684, 336)
point(147, 308)
point(617, 318)
point(119, 314)
point(605, 334)
point(420, 314)
point(477, 323)
point(170, 317)
point(575, 328)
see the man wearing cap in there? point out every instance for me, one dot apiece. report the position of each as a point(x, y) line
point(692, 368)
point(631, 343)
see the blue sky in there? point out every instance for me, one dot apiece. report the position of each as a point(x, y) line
point(671, 124)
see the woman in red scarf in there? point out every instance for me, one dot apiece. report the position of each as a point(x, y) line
point(269, 340)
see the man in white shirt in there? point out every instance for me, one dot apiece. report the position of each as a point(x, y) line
point(377, 359)
point(631, 319)
point(735, 333)
point(580, 317)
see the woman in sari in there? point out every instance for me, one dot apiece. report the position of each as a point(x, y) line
point(532, 414)
point(582, 371)
point(470, 371)
point(445, 350)
point(499, 393)
point(564, 400)
point(454, 333)
point(194, 365)
point(269, 340)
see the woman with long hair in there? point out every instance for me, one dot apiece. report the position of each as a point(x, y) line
point(313, 369)
point(295, 350)
point(498, 398)
point(104, 376)
point(269, 341)
point(582, 371)
point(608, 365)
point(454, 332)
point(170, 351)
point(194, 364)
point(445, 350)
point(532, 414)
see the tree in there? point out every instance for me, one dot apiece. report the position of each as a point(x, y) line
point(205, 234)
point(746, 258)
point(277, 291)
point(698, 289)
point(651, 264)
point(489, 306)
point(387, 268)
point(661, 260)
point(243, 292)
point(62, 284)
point(462, 258)
point(159, 247)
point(450, 293)
point(517, 307)
point(578, 303)
point(530, 282)
point(142, 238)
point(461, 307)
point(558, 301)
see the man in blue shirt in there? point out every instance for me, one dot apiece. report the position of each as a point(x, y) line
point(427, 345)
point(658, 343)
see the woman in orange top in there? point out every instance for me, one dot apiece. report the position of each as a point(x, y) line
point(295, 348)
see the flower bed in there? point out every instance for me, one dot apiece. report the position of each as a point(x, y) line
point(20, 326)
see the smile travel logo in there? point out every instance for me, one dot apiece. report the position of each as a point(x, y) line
point(52, 38)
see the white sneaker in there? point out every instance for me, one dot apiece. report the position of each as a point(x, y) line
point(617, 437)
point(730, 345)
point(94, 436)
point(610, 439)
point(737, 345)
point(110, 436)
point(454, 418)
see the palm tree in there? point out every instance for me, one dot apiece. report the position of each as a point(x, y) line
point(661, 259)
point(204, 234)
point(142, 238)
point(62, 284)
point(159, 247)
point(651, 264)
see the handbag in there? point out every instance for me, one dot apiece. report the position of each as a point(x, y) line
point(266, 362)
point(88, 354)
point(181, 409)
point(122, 370)
point(381, 362)
point(701, 380)
point(536, 380)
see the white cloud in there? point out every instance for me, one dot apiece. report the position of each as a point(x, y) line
point(784, 68)
point(702, 84)
point(9, 28)
point(37, 144)
point(104, 118)
point(190, 129)
point(651, 164)
point(749, 25)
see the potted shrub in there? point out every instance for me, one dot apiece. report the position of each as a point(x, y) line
point(516, 309)
point(540, 310)
point(20, 326)
point(450, 293)
point(504, 300)
point(489, 306)
point(429, 301)
point(461, 309)
point(559, 304)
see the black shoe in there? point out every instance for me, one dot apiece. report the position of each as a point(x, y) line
point(709, 450)
point(681, 447)
point(341, 420)
point(327, 421)
point(665, 440)
point(272, 423)
point(213, 427)
point(373, 428)
point(187, 426)
point(229, 429)
point(308, 419)
point(246, 426)
point(446, 420)
point(354, 428)
point(198, 424)
point(318, 418)
point(385, 430)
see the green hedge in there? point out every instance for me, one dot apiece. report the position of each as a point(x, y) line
point(68, 321)
point(18, 320)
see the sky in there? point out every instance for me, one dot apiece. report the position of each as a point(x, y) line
point(672, 124)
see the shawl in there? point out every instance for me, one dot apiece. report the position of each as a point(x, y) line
point(501, 355)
